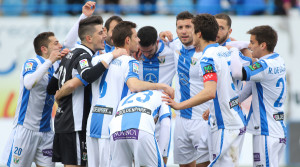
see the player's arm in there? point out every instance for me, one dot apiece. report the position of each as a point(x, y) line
point(136, 85)
point(72, 36)
point(32, 75)
point(90, 73)
point(246, 91)
point(164, 136)
point(208, 93)
point(68, 88)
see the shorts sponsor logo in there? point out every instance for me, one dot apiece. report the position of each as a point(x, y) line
point(261, 165)
point(103, 110)
point(214, 156)
point(127, 134)
point(28, 66)
point(282, 140)
point(16, 159)
point(133, 109)
point(84, 156)
point(278, 116)
point(135, 68)
point(83, 63)
point(47, 152)
point(256, 157)
point(255, 66)
point(234, 102)
point(256, 127)
point(242, 131)
point(161, 59)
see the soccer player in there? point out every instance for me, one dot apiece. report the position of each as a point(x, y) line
point(268, 89)
point(156, 65)
point(191, 131)
point(118, 80)
point(87, 10)
point(224, 22)
point(226, 118)
point(76, 68)
point(32, 136)
point(132, 130)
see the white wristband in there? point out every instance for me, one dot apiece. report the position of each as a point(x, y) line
point(107, 58)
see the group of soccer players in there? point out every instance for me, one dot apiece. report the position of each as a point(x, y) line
point(114, 96)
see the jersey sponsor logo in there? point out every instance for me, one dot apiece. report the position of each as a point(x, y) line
point(161, 59)
point(83, 63)
point(208, 69)
point(282, 140)
point(150, 77)
point(16, 159)
point(183, 79)
point(234, 102)
point(28, 66)
point(255, 66)
point(194, 61)
point(256, 157)
point(103, 110)
point(135, 68)
point(47, 152)
point(278, 116)
point(127, 134)
point(133, 109)
point(59, 110)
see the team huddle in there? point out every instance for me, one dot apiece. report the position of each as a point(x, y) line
point(114, 95)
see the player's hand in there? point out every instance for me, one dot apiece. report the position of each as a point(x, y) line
point(168, 90)
point(169, 101)
point(119, 52)
point(205, 115)
point(89, 8)
point(64, 52)
point(54, 55)
point(166, 34)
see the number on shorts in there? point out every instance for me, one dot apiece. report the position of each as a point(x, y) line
point(18, 151)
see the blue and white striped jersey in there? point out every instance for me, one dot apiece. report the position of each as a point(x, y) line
point(108, 91)
point(138, 111)
point(160, 68)
point(268, 95)
point(34, 106)
point(225, 112)
point(188, 82)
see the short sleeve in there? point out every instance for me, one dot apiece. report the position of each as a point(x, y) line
point(29, 67)
point(132, 70)
point(257, 71)
point(165, 111)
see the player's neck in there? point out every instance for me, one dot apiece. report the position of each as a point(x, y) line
point(204, 43)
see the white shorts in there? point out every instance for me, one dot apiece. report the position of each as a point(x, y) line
point(26, 146)
point(226, 147)
point(190, 141)
point(267, 150)
point(137, 145)
point(98, 151)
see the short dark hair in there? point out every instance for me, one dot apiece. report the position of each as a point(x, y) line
point(118, 19)
point(224, 17)
point(207, 25)
point(121, 31)
point(87, 26)
point(40, 40)
point(265, 34)
point(147, 35)
point(184, 15)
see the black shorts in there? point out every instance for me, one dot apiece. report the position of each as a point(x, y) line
point(66, 146)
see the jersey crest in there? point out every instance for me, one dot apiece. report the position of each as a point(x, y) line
point(162, 59)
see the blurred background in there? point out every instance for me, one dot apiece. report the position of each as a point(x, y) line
point(22, 20)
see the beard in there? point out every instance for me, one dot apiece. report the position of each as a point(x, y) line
point(223, 39)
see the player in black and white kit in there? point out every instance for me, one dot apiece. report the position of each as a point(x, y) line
point(72, 78)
